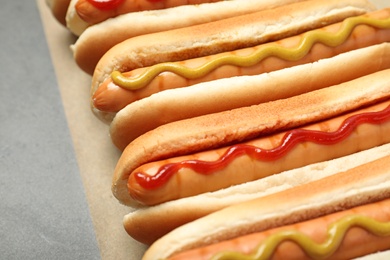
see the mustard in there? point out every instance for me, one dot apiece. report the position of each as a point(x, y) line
point(335, 233)
point(289, 54)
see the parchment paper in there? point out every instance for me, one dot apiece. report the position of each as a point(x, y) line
point(96, 155)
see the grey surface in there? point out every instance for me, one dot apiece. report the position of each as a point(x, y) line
point(43, 208)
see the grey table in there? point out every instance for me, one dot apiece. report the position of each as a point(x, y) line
point(43, 208)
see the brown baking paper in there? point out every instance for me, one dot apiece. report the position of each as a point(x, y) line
point(96, 155)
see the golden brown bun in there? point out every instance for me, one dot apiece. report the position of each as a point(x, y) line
point(220, 95)
point(364, 184)
point(179, 212)
point(59, 9)
point(205, 39)
point(218, 129)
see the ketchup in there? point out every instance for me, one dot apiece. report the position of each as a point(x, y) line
point(106, 5)
point(290, 139)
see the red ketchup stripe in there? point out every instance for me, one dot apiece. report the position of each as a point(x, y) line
point(289, 141)
point(106, 5)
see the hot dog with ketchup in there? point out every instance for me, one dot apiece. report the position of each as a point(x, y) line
point(237, 29)
point(172, 179)
point(343, 216)
point(121, 89)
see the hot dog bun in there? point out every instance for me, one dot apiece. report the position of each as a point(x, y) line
point(204, 39)
point(179, 212)
point(221, 95)
point(220, 129)
point(364, 184)
point(117, 91)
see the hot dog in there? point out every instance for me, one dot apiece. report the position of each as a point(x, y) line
point(355, 201)
point(95, 41)
point(59, 9)
point(118, 91)
point(202, 172)
point(220, 95)
point(156, 161)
